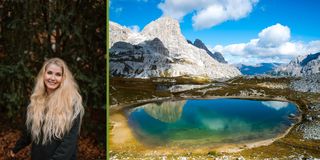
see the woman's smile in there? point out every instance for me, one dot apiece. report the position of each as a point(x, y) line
point(52, 77)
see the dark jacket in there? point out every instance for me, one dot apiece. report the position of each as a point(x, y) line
point(63, 149)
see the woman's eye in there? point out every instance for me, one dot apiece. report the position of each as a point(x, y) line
point(49, 72)
point(58, 74)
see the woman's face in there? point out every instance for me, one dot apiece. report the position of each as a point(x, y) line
point(52, 77)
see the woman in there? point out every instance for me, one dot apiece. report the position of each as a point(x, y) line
point(54, 114)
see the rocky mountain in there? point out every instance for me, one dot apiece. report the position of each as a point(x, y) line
point(300, 66)
point(216, 55)
point(262, 68)
point(160, 50)
point(118, 33)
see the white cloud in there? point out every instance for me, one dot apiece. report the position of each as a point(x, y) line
point(179, 8)
point(288, 48)
point(208, 17)
point(273, 45)
point(312, 47)
point(277, 105)
point(274, 36)
point(207, 13)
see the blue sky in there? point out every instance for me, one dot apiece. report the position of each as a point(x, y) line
point(245, 31)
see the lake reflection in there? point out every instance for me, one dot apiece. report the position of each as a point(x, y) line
point(209, 122)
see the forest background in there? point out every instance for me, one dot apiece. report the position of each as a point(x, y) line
point(33, 31)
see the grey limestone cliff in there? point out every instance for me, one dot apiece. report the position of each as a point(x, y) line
point(300, 66)
point(160, 50)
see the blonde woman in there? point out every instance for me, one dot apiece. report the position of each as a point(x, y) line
point(54, 115)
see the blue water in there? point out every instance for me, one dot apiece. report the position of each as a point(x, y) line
point(209, 122)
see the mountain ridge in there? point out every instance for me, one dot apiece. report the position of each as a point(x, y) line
point(262, 68)
point(300, 66)
point(216, 55)
point(160, 50)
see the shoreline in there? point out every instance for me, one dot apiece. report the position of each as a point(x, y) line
point(233, 148)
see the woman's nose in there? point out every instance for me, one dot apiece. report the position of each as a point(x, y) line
point(52, 77)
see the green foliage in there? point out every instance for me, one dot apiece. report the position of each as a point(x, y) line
point(33, 31)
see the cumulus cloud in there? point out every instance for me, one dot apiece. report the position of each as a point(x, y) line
point(179, 8)
point(207, 13)
point(211, 16)
point(274, 36)
point(312, 47)
point(277, 105)
point(273, 45)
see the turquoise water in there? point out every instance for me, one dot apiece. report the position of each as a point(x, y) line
point(209, 122)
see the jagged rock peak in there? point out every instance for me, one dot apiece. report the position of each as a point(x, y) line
point(118, 33)
point(165, 28)
point(198, 43)
point(309, 58)
point(216, 55)
point(162, 25)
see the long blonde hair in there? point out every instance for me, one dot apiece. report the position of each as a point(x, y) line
point(50, 116)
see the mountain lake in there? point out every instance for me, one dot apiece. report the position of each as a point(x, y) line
point(203, 123)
